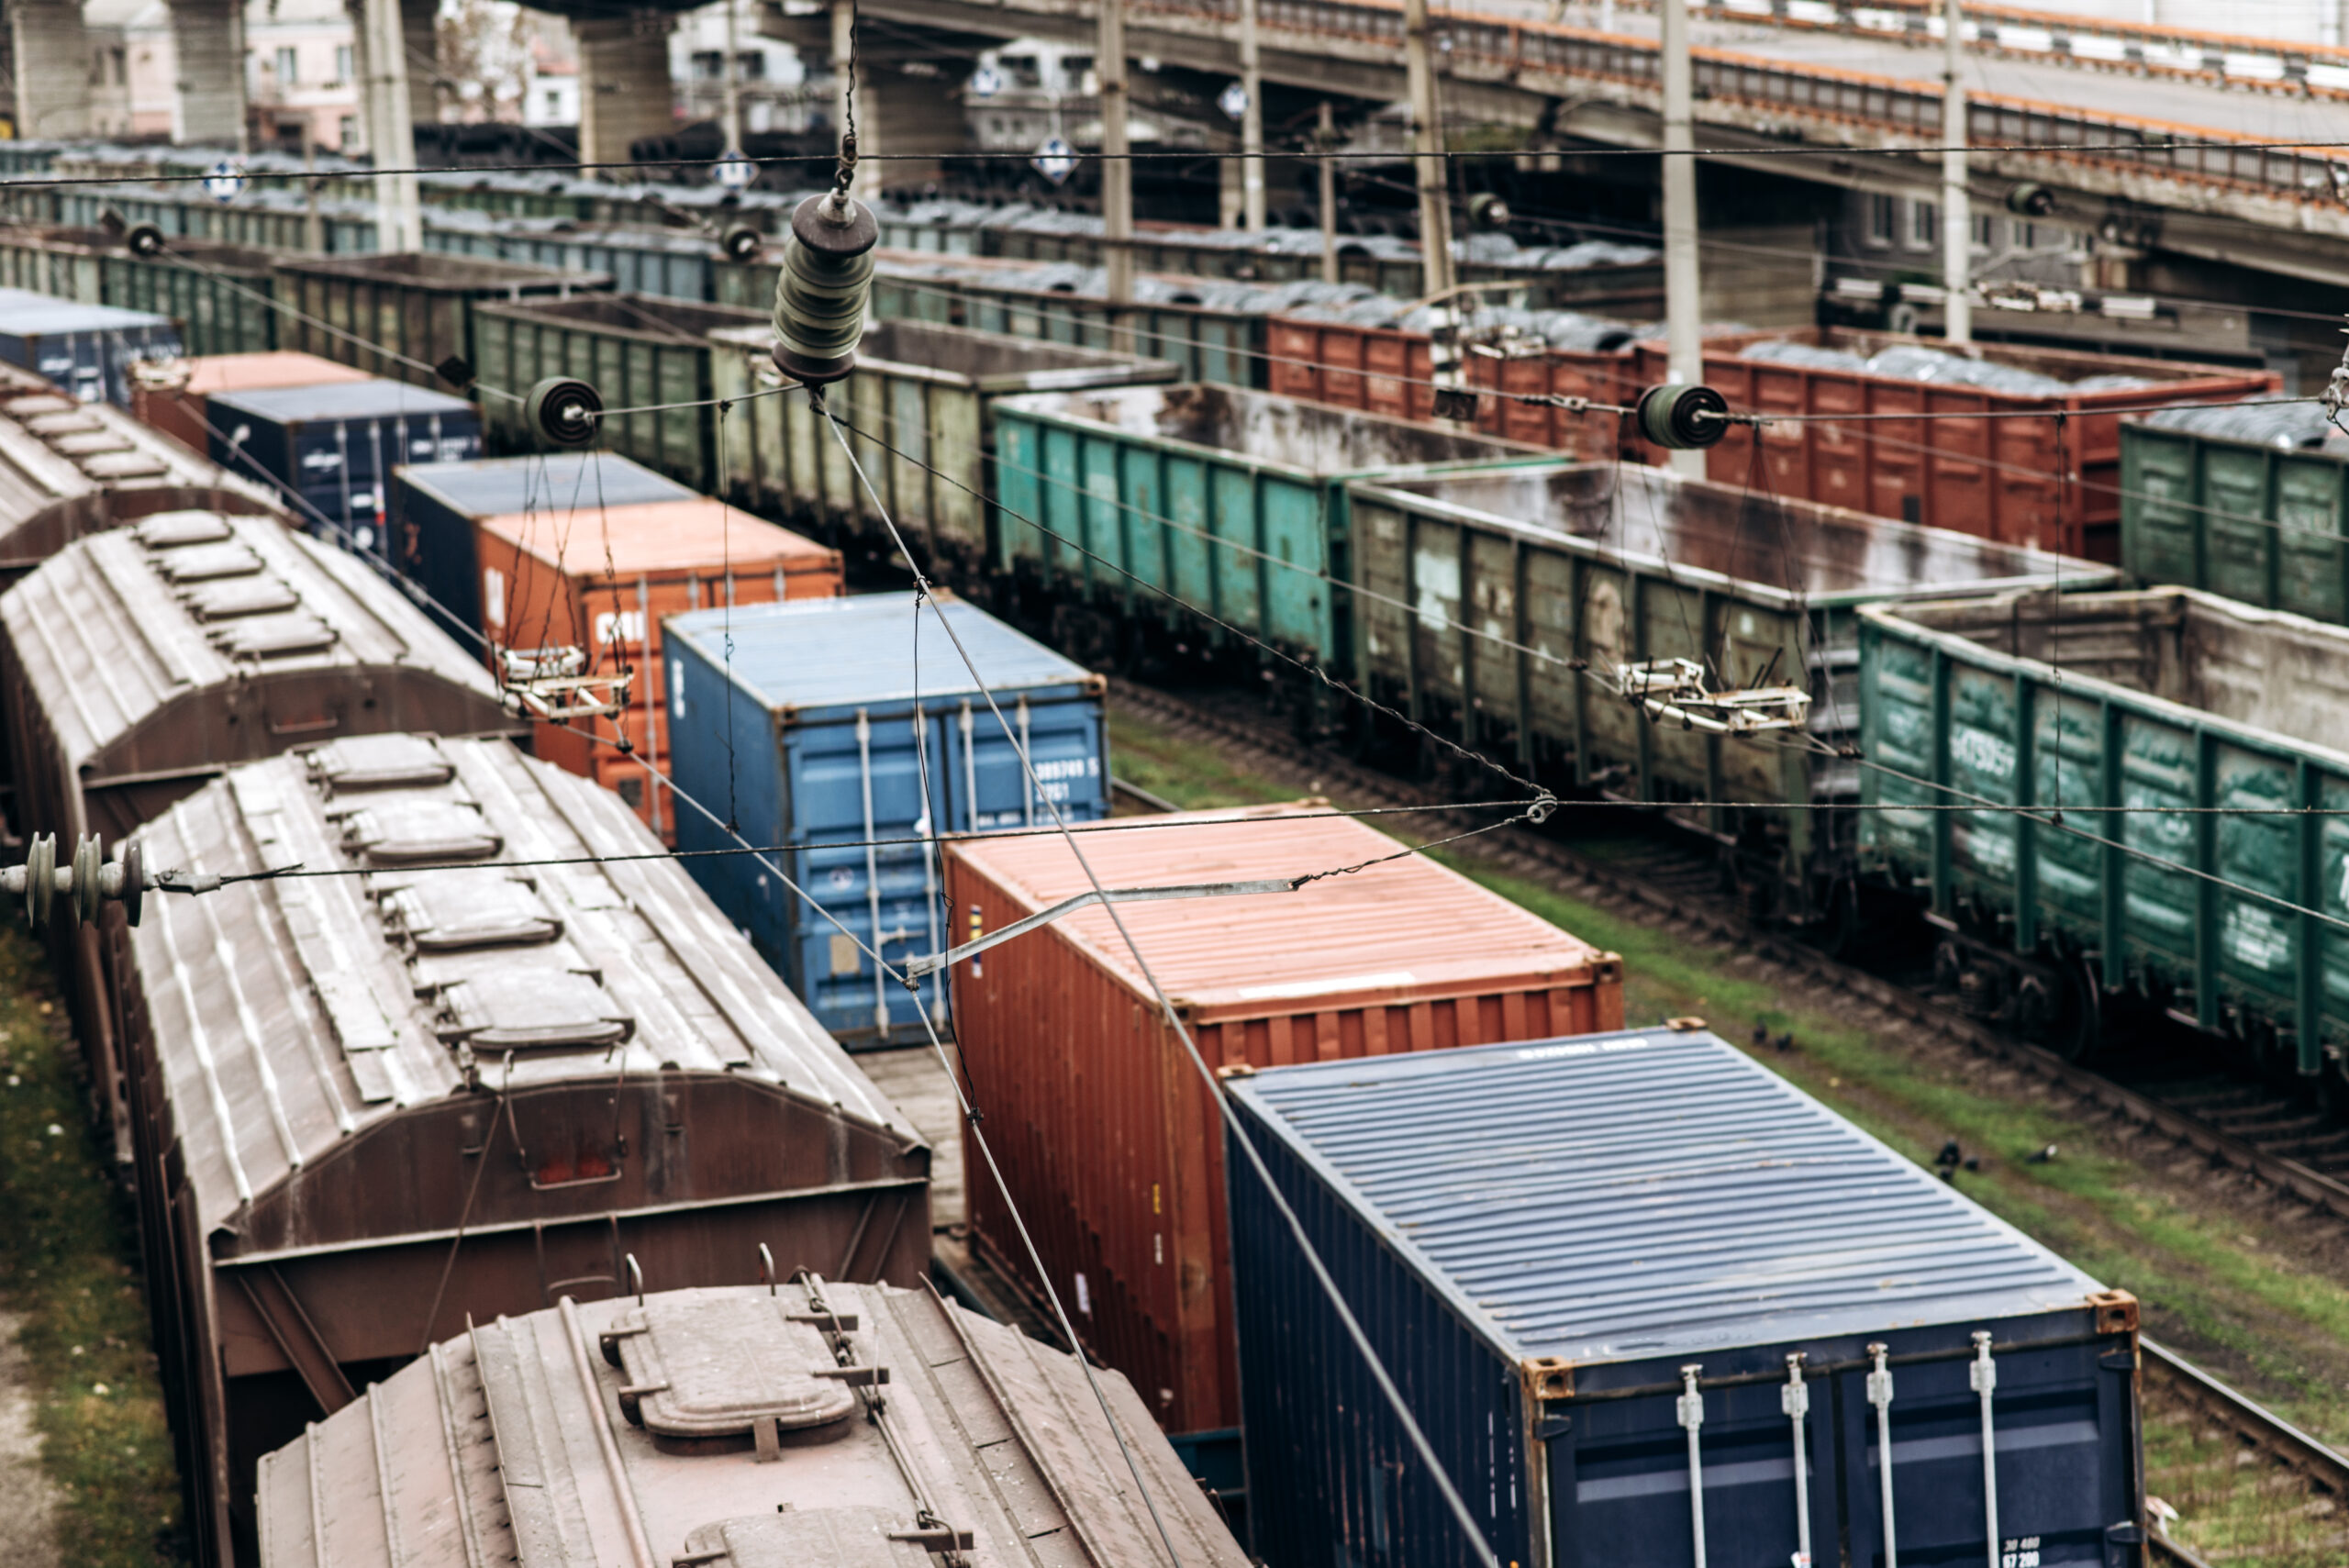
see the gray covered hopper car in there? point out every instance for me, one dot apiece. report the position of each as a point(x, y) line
point(812, 1424)
point(486, 1067)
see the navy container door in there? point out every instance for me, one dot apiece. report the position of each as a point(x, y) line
point(2065, 1475)
point(1619, 1481)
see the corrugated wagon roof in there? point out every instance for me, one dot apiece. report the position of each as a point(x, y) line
point(1402, 929)
point(1621, 1196)
point(291, 1013)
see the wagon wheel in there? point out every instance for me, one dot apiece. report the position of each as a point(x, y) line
point(2076, 1032)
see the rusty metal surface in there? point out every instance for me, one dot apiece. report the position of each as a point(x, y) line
point(69, 468)
point(139, 661)
point(343, 1086)
point(526, 1441)
point(1109, 1144)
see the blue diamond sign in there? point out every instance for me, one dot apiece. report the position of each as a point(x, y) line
point(734, 171)
point(1055, 160)
point(985, 82)
point(1233, 101)
point(225, 180)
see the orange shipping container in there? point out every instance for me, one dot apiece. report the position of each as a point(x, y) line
point(1111, 1146)
point(178, 412)
point(603, 579)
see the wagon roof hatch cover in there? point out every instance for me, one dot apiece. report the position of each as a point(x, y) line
point(454, 909)
point(66, 422)
point(844, 1538)
point(533, 1009)
point(405, 832)
point(171, 530)
point(122, 465)
point(229, 597)
point(381, 761)
point(33, 404)
point(715, 1367)
point(202, 562)
point(89, 443)
point(273, 636)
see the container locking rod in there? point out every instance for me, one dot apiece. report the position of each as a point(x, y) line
point(1984, 1375)
point(918, 967)
point(1880, 1395)
point(1794, 1400)
point(1691, 1407)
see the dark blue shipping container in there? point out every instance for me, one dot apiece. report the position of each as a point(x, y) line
point(435, 506)
point(87, 350)
point(814, 732)
point(335, 445)
point(1547, 1243)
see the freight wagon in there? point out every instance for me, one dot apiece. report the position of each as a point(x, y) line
point(1621, 1276)
point(85, 350)
point(69, 469)
point(1500, 608)
point(441, 1089)
point(1126, 514)
point(177, 405)
point(141, 662)
point(814, 726)
point(2247, 502)
point(2203, 867)
point(1105, 1135)
point(638, 352)
point(2041, 467)
point(896, 1424)
point(604, 580)
point(927, 391)
point(221, 295)
point(406, 316)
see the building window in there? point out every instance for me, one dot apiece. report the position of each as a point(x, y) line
point(1882, 215)
point(750, 67)
point(1986, 231)
point(554, 101)
point(349, 132)
point(707, 63)
point(2022, 236)
point(342, 63)
point(1925, 225)
point(288, 72)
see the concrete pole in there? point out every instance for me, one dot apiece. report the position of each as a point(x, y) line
point(390, 129)
point(313, 235)
point(1958, 215)
point(1427, 145)
point(1326, 137)
point(1116, 170)
point(729, 79)
point(1682, 289)
point(50, 49)
point(1252, 123)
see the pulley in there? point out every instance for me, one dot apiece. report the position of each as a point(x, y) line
point(2030, 200)
point(76, 891)
point(1680, 417)
point(1488, 210)
point(144, 240)
point(740, 242)
point(823, 286)
point(563, 411)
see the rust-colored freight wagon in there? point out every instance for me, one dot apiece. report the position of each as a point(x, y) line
point(604, 579)
point(1385, 369)
point(177, 407)
point(2050, 481)
point(69, 469)
point(507, 1046)
point(1108, 1142)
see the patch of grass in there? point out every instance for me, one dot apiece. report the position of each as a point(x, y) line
point(71, 1244)
point(1195, 777)
point(2233, 1506)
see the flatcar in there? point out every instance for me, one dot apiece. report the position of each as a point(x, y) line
point(797, 1422)
point(490, 1049)
point(69, 469)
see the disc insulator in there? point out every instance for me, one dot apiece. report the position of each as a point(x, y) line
point(1682, 417)
point(563, 412)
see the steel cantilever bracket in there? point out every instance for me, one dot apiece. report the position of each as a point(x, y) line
point(917, 968)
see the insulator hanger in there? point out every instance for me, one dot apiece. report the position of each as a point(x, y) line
point(74, 891)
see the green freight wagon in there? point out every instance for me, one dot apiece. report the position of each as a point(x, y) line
point(1127, 514)
point(2246, 501)
point(405, 314)
point(637, 350)
point(1498, 608)
point(51, 260)
point(927, 391)
point(2130, 791)
point(222, 294)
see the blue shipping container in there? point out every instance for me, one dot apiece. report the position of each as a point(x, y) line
point(335, 445)
point(1545, 1241)
point(434, 507)
point(814, 734)
point(87, 350)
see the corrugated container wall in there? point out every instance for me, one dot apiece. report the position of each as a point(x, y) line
point(437, 508)
point(817, 733)
point(604, 581)
point(335, 448)
point(1543, 1244)
point(1107, 1139)
point(85, 349)
point(181, 412)
point(2255, 521)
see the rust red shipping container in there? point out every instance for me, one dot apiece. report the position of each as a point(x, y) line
point(1111, 1146)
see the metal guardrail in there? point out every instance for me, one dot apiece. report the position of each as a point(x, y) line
point(1486, 47)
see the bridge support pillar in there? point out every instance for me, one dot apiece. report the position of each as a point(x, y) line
point(208, 99)
point(417, 20)
point(53, 67)
point(625, 94)
point(899, 112)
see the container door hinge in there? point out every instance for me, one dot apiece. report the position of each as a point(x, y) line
point(1550, 1427)
point(1690, 1408)
point(1982, 1376)
point(2128, 1533)
point(1880, 1395)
